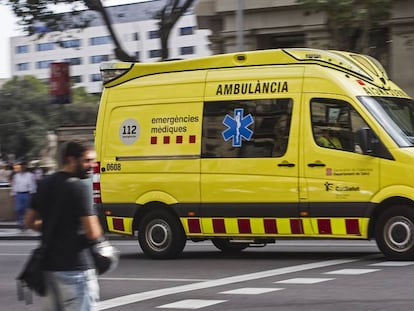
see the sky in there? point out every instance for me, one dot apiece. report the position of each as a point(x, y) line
point(10, 28)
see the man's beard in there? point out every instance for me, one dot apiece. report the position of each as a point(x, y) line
point(81, 172)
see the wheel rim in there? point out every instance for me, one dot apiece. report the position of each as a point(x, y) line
point(399, 234)
point(158, 235)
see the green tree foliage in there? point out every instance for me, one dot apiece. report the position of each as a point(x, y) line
point(354, 25)
point(27, 115)
point(35, 13)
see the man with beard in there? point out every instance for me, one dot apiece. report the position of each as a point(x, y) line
point(63, 212)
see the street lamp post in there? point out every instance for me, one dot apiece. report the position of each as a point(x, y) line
point(240, 25)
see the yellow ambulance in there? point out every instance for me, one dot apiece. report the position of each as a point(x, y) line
point(246, 148)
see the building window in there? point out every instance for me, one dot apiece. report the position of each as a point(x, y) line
point(186, 31)
point(96, 77)
point(75, 43)
point(76, 79)
point(43, 64)
point(153, 34)
point(154, 53)
point(40, 47)
point(74, 60)
point(135, 36)
point(266, 126)
point(95, 59)
point(22, 67)
point(100, 40)
point(186, 50)
point(137, 56)
point(22, 49)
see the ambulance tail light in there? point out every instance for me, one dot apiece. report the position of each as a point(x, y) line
point(112, 71)
point(97, 183)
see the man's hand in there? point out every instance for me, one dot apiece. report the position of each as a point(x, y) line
point(32, 220)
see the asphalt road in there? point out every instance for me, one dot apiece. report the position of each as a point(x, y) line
point(289, 275)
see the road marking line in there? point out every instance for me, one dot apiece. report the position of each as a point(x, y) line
point(132, 298)
point(304, 280)
point(154, 279)
point(352, 271)
point(191, 304)
point(251, 290)
point(393, 263)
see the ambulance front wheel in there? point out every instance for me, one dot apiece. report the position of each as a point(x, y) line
point(394, 232)
point(161, 235)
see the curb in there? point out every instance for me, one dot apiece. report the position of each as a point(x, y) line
point(11, 231)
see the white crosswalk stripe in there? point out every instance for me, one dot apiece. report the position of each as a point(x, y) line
point(191, 304)
point(304, 280)
point(352, 271)
point(251, 290)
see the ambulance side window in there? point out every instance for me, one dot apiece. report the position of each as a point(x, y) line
point(246, 128)
point(334, 124)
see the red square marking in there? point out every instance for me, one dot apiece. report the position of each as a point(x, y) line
point(179, 140)
point(194, 225)
point(166, 140)
point(218, 225)
point(324, 226)
point(270, 226)
point(153, 140)
point(192, 139)
point(352, 226)
point(244, 226)
point(118, 224)
point(296, 226)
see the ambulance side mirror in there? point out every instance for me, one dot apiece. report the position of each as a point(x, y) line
point(365, 139)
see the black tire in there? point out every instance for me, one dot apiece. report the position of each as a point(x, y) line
point(394, 232)
point(228, 247)
point(161, 235)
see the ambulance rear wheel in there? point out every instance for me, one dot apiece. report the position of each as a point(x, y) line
point(228, 247)
point(161, 235)
point(394, 233)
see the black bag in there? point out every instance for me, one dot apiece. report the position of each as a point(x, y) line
point(32, 276)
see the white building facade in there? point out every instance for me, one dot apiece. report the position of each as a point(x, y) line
point(85, 49)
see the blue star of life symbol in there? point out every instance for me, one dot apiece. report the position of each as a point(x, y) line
point(237, 127)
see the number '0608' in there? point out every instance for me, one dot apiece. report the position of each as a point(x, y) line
point(113, 167)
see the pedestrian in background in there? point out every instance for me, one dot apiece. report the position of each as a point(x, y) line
point(23, 186)
point(63, 206)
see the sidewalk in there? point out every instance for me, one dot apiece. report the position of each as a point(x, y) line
point(9, 230)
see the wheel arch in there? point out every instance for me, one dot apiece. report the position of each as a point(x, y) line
point(151, 206)
point(382, 207)
point(153, 200)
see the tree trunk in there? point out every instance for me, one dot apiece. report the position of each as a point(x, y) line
point(119, 52)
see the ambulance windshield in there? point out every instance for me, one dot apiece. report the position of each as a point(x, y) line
point(396, 116)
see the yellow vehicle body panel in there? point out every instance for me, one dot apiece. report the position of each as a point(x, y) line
point(230, 145)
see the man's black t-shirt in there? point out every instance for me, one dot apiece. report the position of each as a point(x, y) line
point(64, 199)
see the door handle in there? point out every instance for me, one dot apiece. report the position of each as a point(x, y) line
point(286, 164)
point(316, 164)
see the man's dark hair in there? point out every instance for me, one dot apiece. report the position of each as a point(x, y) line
point(72, 149)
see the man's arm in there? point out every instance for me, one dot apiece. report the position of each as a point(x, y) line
point(32, 220)
point(92, 227)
